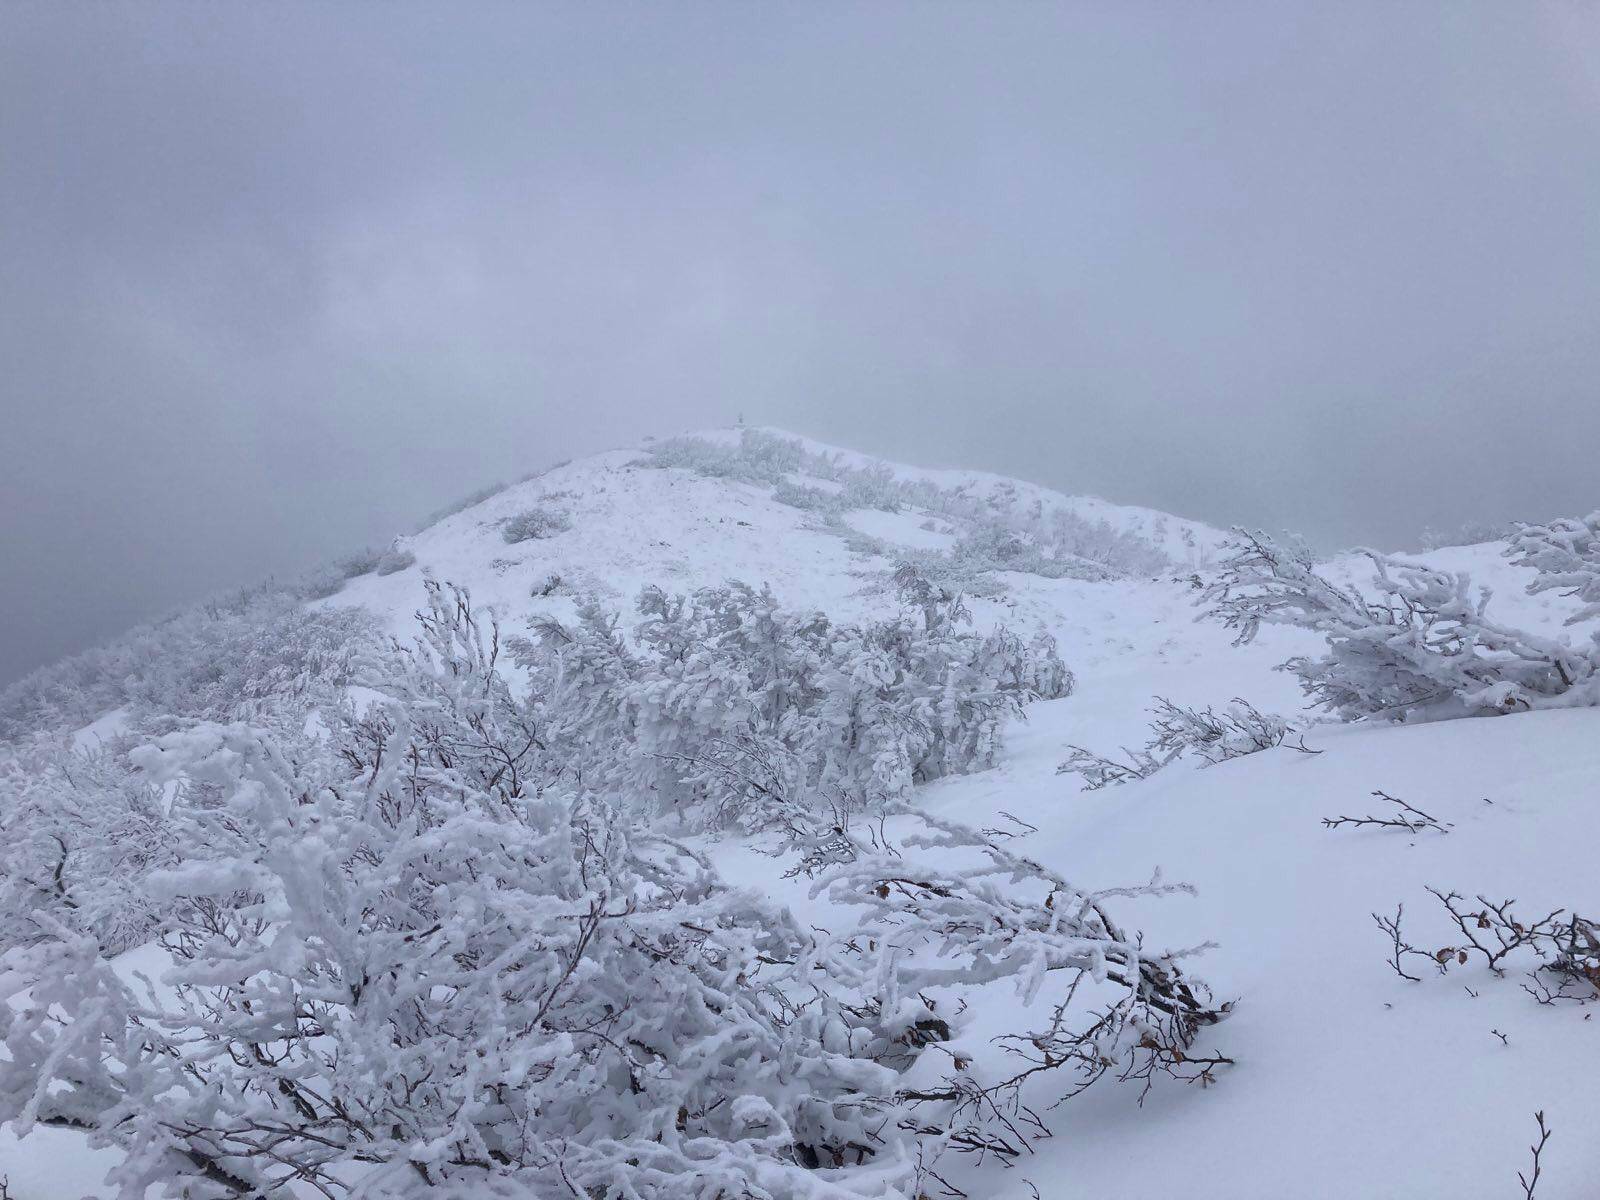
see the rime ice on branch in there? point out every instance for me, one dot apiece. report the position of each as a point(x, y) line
point(1422, 648)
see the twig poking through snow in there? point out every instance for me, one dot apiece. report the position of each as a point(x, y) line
point(1408, 818)
point(1017, 827)
point(1531, 1180)
point(1391, 926)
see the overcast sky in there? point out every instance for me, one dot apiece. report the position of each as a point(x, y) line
point(276, 280)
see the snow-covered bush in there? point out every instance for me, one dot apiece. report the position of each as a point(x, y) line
point(1469, 533)
point(1421, 649)
point(759, 457)
point(240, 658)
point(322, 583)
point(392, 562)
point(540, 521)
point(1566, 554)
point(854, 713)
point(470, 500)
point(79, 834)
point(812, 499)
point(415, 970)
point(363, 562)
point(997, 530)
point(1120, 550)
point(433, 960)
point(948, 905)
point(330, 580)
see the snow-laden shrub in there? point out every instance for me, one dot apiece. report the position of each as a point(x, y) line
point(854, 713)
point(947, 905)
point(415, 970)
point(363, 562)
point(873, 486)
point(1566, 554)
point(240, 658)
point(811, 499)
point(1468, 533)
point(79, 834)
point(471, 500)
point(999, 532)
point(392, 562)
point(1421, 649)
point(995, 547)
point(422, 965)
point(540, 521)
point(330, 580)
point(320, 584)
point(717, 460)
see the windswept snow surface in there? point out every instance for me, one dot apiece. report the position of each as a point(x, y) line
point(1349, 1081)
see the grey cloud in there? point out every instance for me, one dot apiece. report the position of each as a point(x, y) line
point(278, 279)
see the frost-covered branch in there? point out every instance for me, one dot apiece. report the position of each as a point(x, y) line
point(1566, 554)
point(1421, 649)
point(1212, 736)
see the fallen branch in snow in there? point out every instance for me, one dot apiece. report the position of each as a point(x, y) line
point(1216, 737)
point(1408, 818)
point(1531, 1180)
point(950, 905)
point(1239, 729)
point(1567, 946)
point(1018, 827)
point(1098, 770)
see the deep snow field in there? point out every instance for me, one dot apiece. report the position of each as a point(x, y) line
point(1348, 1081)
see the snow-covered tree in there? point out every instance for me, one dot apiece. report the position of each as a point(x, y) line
point(1566, 554)
point(1422, 648)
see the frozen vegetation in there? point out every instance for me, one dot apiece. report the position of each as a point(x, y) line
point(731, 818)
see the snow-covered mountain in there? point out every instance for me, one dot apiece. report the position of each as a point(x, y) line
point(1347, 1080)
point(627, 521)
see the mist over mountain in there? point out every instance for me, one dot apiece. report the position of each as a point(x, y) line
point(280, 282)
point(799, 603)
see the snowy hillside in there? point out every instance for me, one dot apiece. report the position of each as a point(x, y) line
point(630, 522)
point(1345, 1078)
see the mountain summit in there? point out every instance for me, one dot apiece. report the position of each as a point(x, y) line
point(756, 815)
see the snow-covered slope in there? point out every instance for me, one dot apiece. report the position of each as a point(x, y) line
point(633, 524)
point(1349, 1081)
